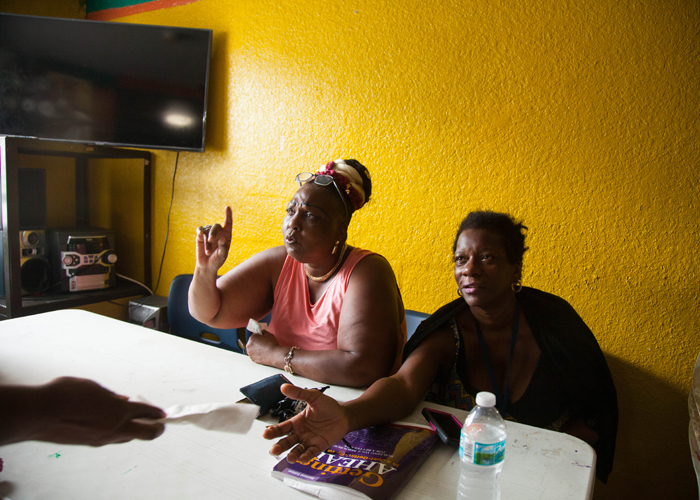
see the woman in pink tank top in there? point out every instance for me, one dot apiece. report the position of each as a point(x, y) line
point(337, 313)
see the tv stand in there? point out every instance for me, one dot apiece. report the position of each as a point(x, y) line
point(13, 304)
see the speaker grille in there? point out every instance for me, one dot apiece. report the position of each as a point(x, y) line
point(36, 275)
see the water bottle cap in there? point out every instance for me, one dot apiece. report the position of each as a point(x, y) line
point(486, 399)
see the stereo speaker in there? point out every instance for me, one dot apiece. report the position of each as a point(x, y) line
point(35, 271)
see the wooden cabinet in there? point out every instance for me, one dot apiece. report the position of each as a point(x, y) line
point(81, 158)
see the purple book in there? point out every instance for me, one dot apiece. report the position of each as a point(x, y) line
point(374, 463)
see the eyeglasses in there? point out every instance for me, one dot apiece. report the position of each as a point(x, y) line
point(322, 180)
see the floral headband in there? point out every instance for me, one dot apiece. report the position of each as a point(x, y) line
point(348, 179)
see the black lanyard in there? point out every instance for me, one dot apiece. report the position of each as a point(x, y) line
point(501, 403)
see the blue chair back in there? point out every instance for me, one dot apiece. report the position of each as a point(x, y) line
point(184, 325)
point(413, 319)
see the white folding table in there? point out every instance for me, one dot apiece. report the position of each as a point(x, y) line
point(187, 462)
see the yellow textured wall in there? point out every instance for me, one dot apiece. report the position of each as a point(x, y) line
point(579, 117)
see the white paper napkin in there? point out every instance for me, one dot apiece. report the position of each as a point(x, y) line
point(225, 417)
point(255, 327)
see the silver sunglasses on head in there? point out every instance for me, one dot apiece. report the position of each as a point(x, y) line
point(322, 180)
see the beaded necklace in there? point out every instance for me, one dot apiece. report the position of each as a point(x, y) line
point(328, 274)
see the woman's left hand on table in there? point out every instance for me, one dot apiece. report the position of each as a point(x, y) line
point(264, 349)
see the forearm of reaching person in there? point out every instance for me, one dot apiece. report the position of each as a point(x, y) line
point(387, 400)
point(73, 411)
point(393, 398)
point(18, 413)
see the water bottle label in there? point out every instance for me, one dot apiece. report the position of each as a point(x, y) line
point(489, 454)
point(480, 453)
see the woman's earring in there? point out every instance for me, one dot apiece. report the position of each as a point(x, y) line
point(516, 286)
point(335, 248)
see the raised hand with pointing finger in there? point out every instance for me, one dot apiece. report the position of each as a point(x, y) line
point(213, 243)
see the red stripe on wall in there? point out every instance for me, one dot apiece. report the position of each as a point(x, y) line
point(109, 14)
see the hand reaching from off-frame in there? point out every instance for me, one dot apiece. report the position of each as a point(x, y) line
point(72, 410)
point(213, 243)
point(322, 424)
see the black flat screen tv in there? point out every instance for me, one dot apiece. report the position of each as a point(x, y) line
point(104, 83)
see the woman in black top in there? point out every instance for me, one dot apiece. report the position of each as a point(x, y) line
point(528, 347)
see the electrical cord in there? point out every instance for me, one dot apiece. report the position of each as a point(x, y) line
point(137, 282)
point(165, 245)
point(167, 226)
point(143, 301)
point(167, 233)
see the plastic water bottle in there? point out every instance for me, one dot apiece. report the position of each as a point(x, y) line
point(482, 446)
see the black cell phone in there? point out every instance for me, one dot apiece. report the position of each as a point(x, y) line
point(445, 424)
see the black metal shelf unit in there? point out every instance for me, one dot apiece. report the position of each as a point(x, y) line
point(13, 304)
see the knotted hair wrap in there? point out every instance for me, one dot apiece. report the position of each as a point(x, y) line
point(348, 179)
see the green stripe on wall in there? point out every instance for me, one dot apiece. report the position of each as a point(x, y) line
point(95, 5)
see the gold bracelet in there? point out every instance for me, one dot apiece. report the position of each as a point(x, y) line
point(288, 360)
